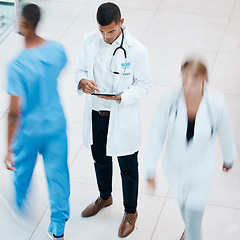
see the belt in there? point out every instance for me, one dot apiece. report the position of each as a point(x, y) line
point(104, 113)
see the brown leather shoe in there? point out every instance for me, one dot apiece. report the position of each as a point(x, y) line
point(96, 206)
point(127, 225)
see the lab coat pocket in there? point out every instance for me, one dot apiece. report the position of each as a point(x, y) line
point(125, 80)
point(127, 74)
point(19, 141)
point(128, 116)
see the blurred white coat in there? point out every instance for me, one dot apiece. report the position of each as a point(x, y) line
point(189, 167)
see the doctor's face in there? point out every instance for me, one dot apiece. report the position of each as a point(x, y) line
point(111, 32)
point(192, 83)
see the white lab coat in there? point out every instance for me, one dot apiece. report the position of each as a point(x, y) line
point(124, 132)
point(189, 168)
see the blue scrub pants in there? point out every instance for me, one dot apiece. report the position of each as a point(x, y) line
point(54, 151)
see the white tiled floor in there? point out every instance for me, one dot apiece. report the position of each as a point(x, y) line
point(171, 29)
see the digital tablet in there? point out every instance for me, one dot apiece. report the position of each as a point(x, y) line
point(106, 94)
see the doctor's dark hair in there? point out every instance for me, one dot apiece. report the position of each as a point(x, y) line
point(31, 13)
point(197, 66)
point(107, 13)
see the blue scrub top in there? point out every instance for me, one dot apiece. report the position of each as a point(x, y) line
point(33, 77)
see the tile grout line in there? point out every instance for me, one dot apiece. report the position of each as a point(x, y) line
point(211, 204)
point(70, 24)
point(220, 45)
point(73, 181)
point(159, 216)
point(192, 14)
point(146, 194)
point(75, 157)
point(232, 53)
point(77, 15)
point(118, 189)
point(130, 8)
point(67, 2)
point(142, 36)
point(2, 115)
point(170, 86)
point(158, 9)
point(216, 205)
point(155, 195)
point(39, 222)
point(184, 46)
point(70, 165)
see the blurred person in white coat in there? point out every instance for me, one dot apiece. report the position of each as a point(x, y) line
point(111, 61)
point(188, 119)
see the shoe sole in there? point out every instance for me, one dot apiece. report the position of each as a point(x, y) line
point(108, 205)
point(50, 236)
point(134, 227)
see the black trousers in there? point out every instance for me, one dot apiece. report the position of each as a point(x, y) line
point(103, 166)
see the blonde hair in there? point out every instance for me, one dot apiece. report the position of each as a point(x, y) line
point(197, 66)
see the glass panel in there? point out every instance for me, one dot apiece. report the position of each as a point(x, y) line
point(7, 16)
point(9, 9)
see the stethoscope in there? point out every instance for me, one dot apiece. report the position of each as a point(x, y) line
point(114, 55)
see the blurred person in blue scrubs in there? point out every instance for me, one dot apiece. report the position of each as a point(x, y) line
point(36, 122)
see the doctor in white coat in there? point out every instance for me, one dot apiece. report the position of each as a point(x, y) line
point(188, 119)
point(112, 61)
